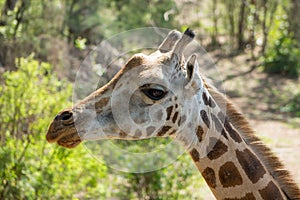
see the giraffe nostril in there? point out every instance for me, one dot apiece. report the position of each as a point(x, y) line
point(66, 115)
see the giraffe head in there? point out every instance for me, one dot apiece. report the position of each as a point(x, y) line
point(150, 96)
point(163, 95)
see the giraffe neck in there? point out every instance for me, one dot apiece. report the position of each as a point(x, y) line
point(231, 167)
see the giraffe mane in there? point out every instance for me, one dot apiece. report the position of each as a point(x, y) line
point(272, 162)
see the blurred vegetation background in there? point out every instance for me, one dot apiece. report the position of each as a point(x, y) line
point(42, 44)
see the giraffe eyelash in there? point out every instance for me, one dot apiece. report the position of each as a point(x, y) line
point(154, 92)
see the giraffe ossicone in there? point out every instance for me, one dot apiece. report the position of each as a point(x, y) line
point(163, 94)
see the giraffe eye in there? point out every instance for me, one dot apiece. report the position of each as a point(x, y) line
point(154, 93)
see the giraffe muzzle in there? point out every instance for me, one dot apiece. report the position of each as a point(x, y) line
point(63, 131)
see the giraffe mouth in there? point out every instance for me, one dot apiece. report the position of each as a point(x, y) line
point(70, 142)
point(66, 136)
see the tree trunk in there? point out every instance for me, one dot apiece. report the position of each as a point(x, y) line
point(231, 21)
point(241, 26)
point(19, 16)
point(215, 23)
point(253, 27)
point(294, 19)
point(9, 5)
point(265, 27)
point(67, 24)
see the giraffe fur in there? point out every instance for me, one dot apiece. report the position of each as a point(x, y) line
point(164, 95)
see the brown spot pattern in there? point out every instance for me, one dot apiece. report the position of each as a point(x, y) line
point(100, 104)
point(169, 112)
point(223, 132)
point(217, 123)
point(150, 130)
point(205, 98)
point(208, 100)
point(210, 177)
point(122, 134)
point(158, 115)
point(138, 133)
point(175, 117)
point(199, 133)
point(181, 120)
point(195, 155)
point(221, 116)
point(218, 150)
point(248, 196)
point(229, 175)
point(270, 192)
point(251, 165)
point(163, 130)
point(233, 134)
point(172, 132)
point(212, 103)
point(205, 118)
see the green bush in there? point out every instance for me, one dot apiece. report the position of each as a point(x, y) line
point(177, 181)
point(293, 106)
point(30, 168)
point(283, 56)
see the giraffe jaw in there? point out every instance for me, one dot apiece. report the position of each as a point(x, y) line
point(62, 130)
point(70, 140)
point(69, 144)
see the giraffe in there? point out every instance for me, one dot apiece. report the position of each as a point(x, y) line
point(164, 87)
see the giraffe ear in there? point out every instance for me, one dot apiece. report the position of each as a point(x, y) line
point(169, 42)
point(191, 68)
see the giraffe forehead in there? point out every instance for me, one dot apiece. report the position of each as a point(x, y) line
point(163, 72)
point(152, 71)
point(141, 59)
point(156, 67)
